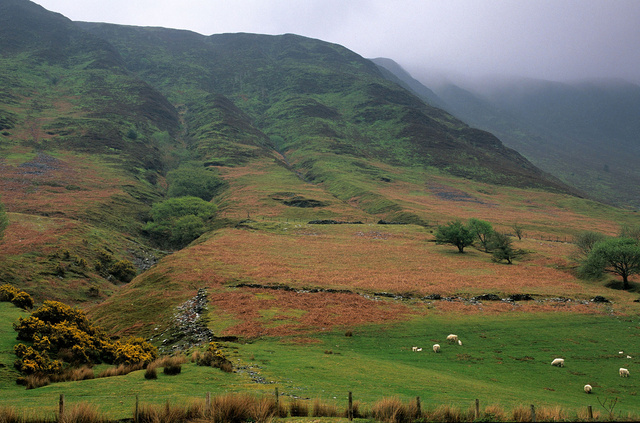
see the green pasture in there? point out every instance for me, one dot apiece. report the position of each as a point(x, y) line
point(504, 360)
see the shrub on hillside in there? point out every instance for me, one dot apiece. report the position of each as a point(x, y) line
point(62, 338)
point(214, 357)
point(178, 221)
point(9, 293)
point(194, 181)
point(123, 270)
point(151, 372)
point(134, 350)
point(23, 300)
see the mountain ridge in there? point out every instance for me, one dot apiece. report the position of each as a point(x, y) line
point(571, 130)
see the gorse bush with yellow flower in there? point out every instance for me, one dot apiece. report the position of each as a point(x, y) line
point(61, 337)
point(11, 294)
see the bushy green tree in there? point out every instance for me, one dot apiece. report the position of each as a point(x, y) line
point(620, 256)
point(455, 233)
point(178, 221)
point(194, 181)
point(482, 231)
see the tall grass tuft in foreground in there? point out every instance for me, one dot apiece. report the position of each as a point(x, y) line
point(121, 370)
point(173, 365)
point(298, 408)
point(166, 413)
point(231, 408)
point(82, 413)
point(494, 413)
point(10, 415)
point(264, 410)
point(320, 409)
point(449, 414)
point(391, 410)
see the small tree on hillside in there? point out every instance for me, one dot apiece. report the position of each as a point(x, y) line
point(518, 230)
point(502, 247)
point(454, 233)
point(630, 231)
point(620, 256)
point(584, 242)
point(482, 231)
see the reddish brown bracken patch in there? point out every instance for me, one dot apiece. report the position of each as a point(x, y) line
point(316, 311)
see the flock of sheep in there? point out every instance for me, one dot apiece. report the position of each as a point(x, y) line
point(452, 339)
point(558, 362)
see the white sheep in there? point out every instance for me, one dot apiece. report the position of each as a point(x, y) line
point(419, 350)
point(436, 348)
point(459, 342)
point(414, 349)
point(452, 338)
point(587, 388)
point(628, 356)
point(623, 372)
point(559, 362)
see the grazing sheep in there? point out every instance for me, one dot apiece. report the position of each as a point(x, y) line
point(559, 362)
point(628, 356)
point(452, 338)
point(459, 342)
point(587, 388)
point(414, 349)
point(623, 372)
point(436, 348)
point(419, 350)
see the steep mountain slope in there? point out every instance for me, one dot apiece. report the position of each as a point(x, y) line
point(586, 133)
point(311, 97)
point(79, 153)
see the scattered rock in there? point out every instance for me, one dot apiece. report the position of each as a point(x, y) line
point(599, 299)
point(487, 297)
point(333, 222)
point(433, 297)
point(520, 297)
point(188, 328)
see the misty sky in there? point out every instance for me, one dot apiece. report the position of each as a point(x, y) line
point(547, 39)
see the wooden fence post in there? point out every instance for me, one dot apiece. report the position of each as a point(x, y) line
point(61, 407)
point(590, 412)
point(136, 414)
point(533, 413)
point(350, 406)
point(277, 401)
point(207, 405)
point(418, 408)
point(477, 411)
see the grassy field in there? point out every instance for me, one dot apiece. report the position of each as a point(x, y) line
point(504, 360)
